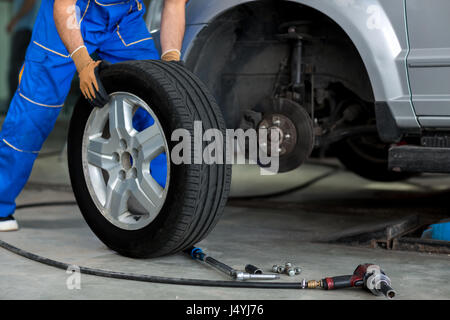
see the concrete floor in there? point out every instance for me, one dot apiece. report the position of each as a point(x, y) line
point(271, 232)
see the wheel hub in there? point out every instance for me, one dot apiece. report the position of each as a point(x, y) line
point(283, 128)
point(127, 161)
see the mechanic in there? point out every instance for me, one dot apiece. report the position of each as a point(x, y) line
point(65, 34)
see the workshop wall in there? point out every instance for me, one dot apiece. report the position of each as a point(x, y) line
point(5, 15)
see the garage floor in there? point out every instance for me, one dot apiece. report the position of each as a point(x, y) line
point(263, 232)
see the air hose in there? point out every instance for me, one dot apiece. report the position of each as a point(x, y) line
point(150, 278)
point(360, 273)
point(293, 189)
point(138, 277)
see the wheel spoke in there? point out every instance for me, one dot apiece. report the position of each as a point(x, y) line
point(148, 193)
point(99, 117)
point(102, 161)
point(99, 154)
point(116, 198)
point(120, 117)
point(101, 145)
point(151, 142)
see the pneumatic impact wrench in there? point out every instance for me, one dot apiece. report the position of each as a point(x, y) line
point(368, 276)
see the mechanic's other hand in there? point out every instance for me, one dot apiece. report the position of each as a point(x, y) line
point(90, 84)
point(101, 96)
point(171, 55)
point(88, 81)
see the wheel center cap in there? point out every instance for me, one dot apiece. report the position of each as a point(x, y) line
point(126, 161)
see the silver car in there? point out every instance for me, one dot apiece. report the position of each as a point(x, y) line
point(366, 81)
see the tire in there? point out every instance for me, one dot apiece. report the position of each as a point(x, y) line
point(367, 156)
point(197, 193)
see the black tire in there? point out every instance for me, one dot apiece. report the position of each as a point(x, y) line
point(197, 193)
point(367, 156)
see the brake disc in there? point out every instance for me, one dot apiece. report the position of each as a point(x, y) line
point(294, 128)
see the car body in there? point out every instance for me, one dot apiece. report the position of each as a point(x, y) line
point(392, 55)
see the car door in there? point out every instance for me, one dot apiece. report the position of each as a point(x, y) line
point(429, 60)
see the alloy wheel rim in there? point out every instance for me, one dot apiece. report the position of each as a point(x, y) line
point(117, 163)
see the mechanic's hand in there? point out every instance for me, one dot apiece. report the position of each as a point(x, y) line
point(88, 81)
point(90, 84)
point(101, 96)
point(171, 55)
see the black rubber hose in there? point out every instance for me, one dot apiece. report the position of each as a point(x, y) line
point(46, 204)
point(290, 190)
point(139, 277)
point(148, 278)
point(157, 279)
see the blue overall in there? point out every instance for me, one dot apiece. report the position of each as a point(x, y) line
point(115, 30)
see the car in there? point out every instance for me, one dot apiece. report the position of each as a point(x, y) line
point(363, 80)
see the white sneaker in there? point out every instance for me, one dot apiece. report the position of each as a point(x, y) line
point(8, 224)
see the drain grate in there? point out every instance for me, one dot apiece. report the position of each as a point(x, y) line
point(403, 234)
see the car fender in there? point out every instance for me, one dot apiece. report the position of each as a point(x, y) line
point(377, 28)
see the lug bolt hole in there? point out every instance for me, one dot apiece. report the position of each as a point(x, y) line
point(123, 144)
point(122, 175)
point(116, 157)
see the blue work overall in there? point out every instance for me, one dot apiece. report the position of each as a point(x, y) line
point(115, 30)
